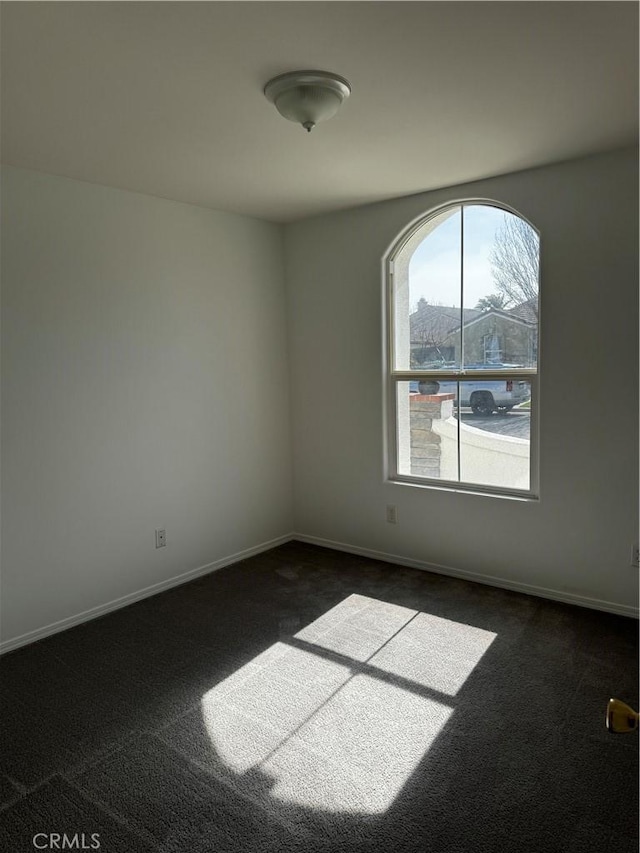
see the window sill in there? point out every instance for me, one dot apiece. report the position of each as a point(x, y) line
point(460, 489)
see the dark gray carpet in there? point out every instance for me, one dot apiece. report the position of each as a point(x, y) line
point(311, 701)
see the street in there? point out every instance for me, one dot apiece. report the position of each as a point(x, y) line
point(516, 423)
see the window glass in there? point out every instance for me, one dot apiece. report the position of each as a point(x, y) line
point(464, 301)
point(435, 294)
point(427, 293)
point(500, 287)
point(428, 433)
point(495, 433)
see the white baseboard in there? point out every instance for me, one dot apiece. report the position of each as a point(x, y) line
point(100, 610)
point(516, 586)
point(154, 589)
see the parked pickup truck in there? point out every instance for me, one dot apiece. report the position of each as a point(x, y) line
point(482, 396)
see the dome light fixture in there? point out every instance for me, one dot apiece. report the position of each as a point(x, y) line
point(307, 97)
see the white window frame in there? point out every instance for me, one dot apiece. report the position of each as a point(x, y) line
point(393, 377)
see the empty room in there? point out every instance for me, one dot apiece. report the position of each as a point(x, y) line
point(319, 427)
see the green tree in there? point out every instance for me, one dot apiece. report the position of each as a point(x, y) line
point(491, 301)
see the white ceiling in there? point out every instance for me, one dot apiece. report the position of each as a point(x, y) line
point(166, 97)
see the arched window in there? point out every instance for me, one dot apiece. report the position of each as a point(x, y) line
point(462, 327)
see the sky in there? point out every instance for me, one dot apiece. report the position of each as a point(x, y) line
point(434, 269)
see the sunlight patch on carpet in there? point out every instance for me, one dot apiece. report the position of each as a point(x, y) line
point(339, 716)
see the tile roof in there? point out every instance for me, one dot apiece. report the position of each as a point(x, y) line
point(436, 322)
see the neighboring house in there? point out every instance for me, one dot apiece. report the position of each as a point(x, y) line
point(491, 336)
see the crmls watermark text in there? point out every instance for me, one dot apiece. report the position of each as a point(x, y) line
point(62, 841)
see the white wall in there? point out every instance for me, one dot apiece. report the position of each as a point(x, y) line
point(145, 371)
point(577, 539)
point(145, 384)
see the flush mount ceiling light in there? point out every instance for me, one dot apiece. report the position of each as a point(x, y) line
point(307, 97)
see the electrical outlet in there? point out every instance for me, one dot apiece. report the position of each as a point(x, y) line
point(161, 538)
point(635, 556)
point(392, 514)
